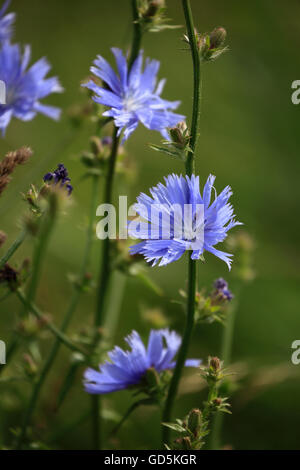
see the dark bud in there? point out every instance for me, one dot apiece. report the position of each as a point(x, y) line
point(217, 38)
point(218, 402)
point(9, 276)
point(153, 9)
point(215, 363)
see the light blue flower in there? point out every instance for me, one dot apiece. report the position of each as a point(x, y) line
point(25, 88)
point(203, 232)
point(133, 96)
point(127, 368)
point(6, 22)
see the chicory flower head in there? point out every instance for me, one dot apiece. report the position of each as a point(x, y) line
point(133, 96)
point(6, 22)
point(203, 226)
point(59, 176)
point(127, 368)
point(25, 88)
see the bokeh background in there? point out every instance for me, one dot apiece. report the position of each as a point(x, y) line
point(249, 139)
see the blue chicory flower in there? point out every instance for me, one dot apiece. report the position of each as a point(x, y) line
point(127, 368)
point(6, 22)
point(25, 88)
point(133, 96)
point(203, 232)
point(61, 176)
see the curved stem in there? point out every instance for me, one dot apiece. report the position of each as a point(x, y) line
point(192, 273)
point(68, 316)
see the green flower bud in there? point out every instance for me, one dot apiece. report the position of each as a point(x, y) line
point(194, 421)
point(152, 378)
point(217, 38)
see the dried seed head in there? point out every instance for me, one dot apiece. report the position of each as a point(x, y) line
point(10, 162)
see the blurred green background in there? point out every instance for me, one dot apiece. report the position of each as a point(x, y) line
point(249, 139)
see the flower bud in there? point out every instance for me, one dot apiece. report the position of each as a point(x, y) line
point(194, 421)
point(152, 378)
point(30, 366)
point(96, 145)
point(215, 363)
point(186, 443)
point(217, 38)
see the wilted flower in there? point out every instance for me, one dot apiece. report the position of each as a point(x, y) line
point(61, 176)
point(10, 162)
point(6, 22)
point(25, 88)
point(222, 289)
point(128, 368)
point(204, 226)
point(133, 95)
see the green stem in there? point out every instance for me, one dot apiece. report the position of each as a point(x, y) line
point(226, 350)
point(137, 34)
point(167, 412)
point(46, 228)
point(67, 318)
point(30, 307)
point(192, 273)
point(13, 248)
point(190, 164)
point(105, 269)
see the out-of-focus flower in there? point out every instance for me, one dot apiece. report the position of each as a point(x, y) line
point(59, 176)
point(168, 231)
point(6, 22)
point(25, 88)
point(133, 96)
point(128, 368)
point(222, 289)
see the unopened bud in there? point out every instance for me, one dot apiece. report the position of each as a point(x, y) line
point(217, 38)
point(194, 421)
point(218, 401)
point(30, 365)
point(154, 7)
point(215, 363)
point(186, 443)
point(152, 378)
point(96, 145)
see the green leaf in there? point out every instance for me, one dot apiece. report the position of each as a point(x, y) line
point(174, 427)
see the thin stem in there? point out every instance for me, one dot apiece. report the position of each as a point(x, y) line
point(190, 164)
point(67, 318)
point(226, 351)
point(192, 272)
point(166, 417)
point(105, 269)
point(46, 228)
point(13, 248)
point(137, 34)
point(30, 307)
